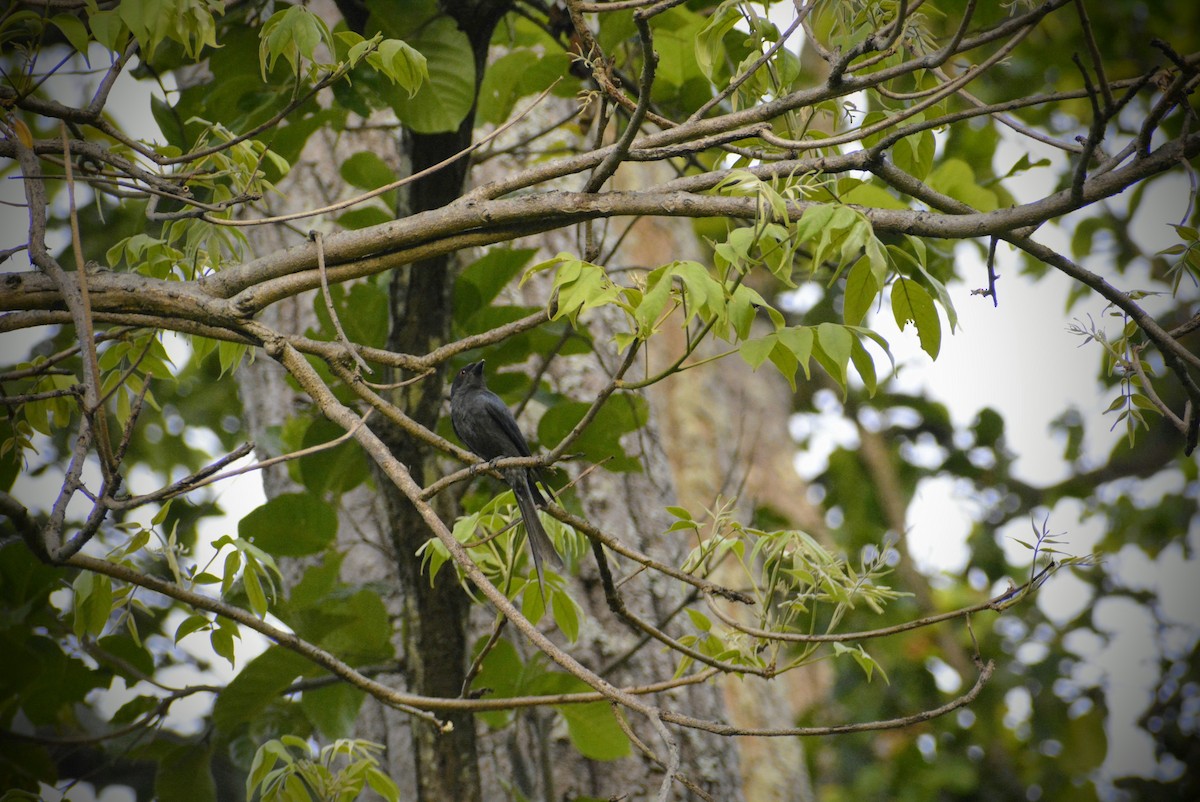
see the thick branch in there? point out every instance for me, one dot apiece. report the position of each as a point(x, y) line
point(229, 297)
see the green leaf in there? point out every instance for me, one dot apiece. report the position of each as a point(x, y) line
point(362, 310)
point(401, 64)
point(291, 34)
point(678, 79)
point(743, 308)
point(134, 709)
point(254, 592)
point(134, 659)
point(146, 20)
point(265, 759)
point(365, 170)
point(580, 286)
point(842, 228)
point(954, 177)
point(1087, 740)
point(798, 340)
point(443, 101)
point(383, 785)
point(185, 775)
point(233, 562)
point(860, 656)
point(566, 614)
point(222, 640)
point(502, 84)
point(481, 281)
point(333, 709)
point(502, 674)
point(600, 440)
point(517, 74)
point(790, 349)
point(230, 355)
point(919, 259)
point(865, 366)
point(109, 30)
point(1022, 164)
point(914, 154)
point(47, 681)
point(319, 581)
point(73, 29)
point(355, 628)
point(710, 45)
point(93, 603)
point(699, 620)
point(192, 623)
point(868, 194)
point(257, 686)
point(339, 469)
point(786, 363)
point(1186, 232)
point(654, 300)
point(861, 290)
point(364, 217)
point(911, 303)
point(594, 731)
point(834, 346)
point(290, 525)
point(815, 218)
point(703, 293)
point(755, 352)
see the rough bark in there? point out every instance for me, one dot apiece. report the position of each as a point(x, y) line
point(433, 616)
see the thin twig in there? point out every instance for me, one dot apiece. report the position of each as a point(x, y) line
point(75, 390)
point(991, 269)
point(879, 40)
point(721, 728)
point(1095, 132)
point(395, 184)
point(611, 161)
point(724, 94)
point(417, 706)
point(92, 383)
point(996, 604)
point(319, 241)
point(477, 663)
point(1089, 36)
point(1148, 388)
point(205, 476)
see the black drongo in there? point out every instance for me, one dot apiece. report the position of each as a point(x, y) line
point(485, 425)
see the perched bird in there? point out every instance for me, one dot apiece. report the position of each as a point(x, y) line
point(488, 428)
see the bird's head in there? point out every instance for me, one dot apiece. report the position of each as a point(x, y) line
point(469, 377)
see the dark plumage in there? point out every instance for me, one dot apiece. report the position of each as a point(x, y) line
point(487, 427)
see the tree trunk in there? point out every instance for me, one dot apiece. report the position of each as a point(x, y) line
point(433, 616)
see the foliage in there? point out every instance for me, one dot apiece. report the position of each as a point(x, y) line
point(303, 775)
point(845, 167)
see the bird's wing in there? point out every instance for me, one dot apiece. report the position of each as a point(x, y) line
point(499, 413)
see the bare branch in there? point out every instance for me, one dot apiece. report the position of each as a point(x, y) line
point(721, 728)
point(317, 240)
point(606, 168)
point(1089, 36)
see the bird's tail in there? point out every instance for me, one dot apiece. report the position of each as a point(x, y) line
point(540, 546)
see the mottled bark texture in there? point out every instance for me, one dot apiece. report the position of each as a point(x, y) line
point(433, 617)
